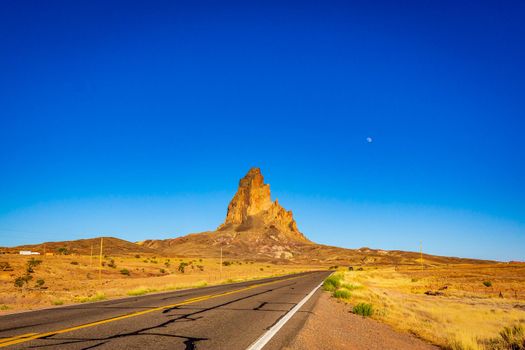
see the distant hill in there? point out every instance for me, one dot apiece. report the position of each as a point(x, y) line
point(259, 229)
point(255, 228)
point(111, 246)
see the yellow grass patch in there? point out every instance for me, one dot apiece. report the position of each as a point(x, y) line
point(464, 314)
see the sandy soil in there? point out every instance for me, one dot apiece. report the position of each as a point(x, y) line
point(333, 326)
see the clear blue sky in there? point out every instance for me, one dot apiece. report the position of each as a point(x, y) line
point(136, 119)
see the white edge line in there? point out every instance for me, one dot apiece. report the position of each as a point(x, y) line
point(266, 337)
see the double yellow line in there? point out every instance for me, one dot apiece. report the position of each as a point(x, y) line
point(32, 336)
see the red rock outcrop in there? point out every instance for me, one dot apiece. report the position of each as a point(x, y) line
point(252, 208)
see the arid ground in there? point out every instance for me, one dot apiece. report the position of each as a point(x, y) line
point(66, 279)
point(453, 306)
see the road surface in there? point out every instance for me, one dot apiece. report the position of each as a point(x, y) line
point(229, 317)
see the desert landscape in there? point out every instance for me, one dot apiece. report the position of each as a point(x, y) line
point(453, 303)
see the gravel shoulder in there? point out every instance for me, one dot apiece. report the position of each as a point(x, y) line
point(332, 326)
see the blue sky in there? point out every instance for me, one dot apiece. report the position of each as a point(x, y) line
point(136, 119)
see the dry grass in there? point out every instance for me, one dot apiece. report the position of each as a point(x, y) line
point(464, 315)
point(67, 283)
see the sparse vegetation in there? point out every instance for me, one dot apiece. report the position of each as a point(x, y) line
point(31, 264)
point(512, 338)
point(487, 283)
point(112, 264)
point(227, 263)
point(182, 267)
point(4, 307)
point(23, 280)
point(341, 293)
point(363, 309)
point(63, 251)
point(5, 266)
point(74, 263)
point(125, 272)
point(40, 283)
point(58, 302)
point(92, 298)
point(332, 283)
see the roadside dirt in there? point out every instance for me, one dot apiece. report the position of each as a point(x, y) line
point(332, 326)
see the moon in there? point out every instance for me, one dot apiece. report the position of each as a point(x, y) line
point(369, 139)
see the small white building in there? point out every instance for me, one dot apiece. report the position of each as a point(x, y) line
point(28, 252)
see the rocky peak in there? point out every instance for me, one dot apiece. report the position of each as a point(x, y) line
point(252, 206)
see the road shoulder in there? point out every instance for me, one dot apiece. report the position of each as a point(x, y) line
point(331, 325)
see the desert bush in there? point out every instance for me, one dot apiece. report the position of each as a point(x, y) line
point(125, 272)
point(74, 263)
point(487, 283)
point(63, 251)
point(200, 267)
point(261, 269)
point(332, 283)
point(5, 266)
point(162, 271)
point(341, 293)
point(40, 282)
point(31, 264)
point(363, 309)
point(4, 307)
point(182, 266)
point(112, 264)
point(350, 268)
point(20, 281)
point(360, 269)
point(137, 256)
point(167, 263)
point(57, 302)
point(227, 263)
point(335, 267)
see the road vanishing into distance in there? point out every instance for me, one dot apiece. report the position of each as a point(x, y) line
point(249, 315)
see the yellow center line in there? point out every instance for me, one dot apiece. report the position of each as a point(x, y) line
point(32, 336)
point(3, 340)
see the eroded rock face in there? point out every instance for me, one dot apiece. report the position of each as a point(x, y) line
point(252, 208)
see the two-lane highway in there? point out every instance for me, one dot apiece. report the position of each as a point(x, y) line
point(230, 316)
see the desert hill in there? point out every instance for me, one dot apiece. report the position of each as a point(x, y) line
point(112, 246)
point(258, 228)
point(255, 228)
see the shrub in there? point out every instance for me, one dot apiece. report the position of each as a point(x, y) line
point(125, 272)
point(112, 264)
point(40, 282)
point(63, 251)
point(227, 263)
point(20, 281)
point(58, 302)
point(332, 283)
point(350, 268)
point(341, 293)
point(31, 264)
point(200, 267)
point(360, 269)
point(5, 266)
point(487, 283)
point(4, 307)
point(167, 263)
point(363, 309)
point(162, 271)
point(74, 263)
point(137, 256)
point(182, 266)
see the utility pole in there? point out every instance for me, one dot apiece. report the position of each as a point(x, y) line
point(91, 257)
point(421, 253)
point(220, 276)
point(100, 260)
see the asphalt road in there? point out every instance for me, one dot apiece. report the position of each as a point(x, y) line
point(219, 317)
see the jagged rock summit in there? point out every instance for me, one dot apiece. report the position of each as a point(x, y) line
point(252, 208)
